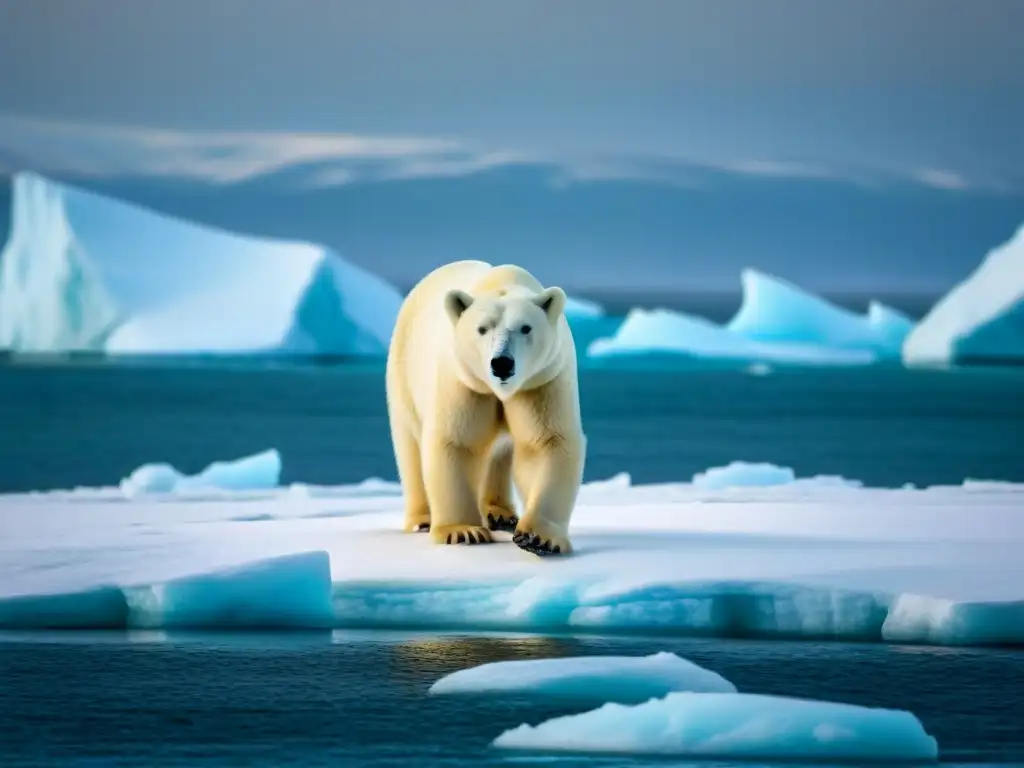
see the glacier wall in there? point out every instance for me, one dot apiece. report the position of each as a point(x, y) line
point(83, 272)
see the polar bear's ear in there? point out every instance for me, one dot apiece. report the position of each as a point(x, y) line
point(552, 301)
point(455, 303)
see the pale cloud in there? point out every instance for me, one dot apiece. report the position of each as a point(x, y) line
point(941, 179)
point(92, 150)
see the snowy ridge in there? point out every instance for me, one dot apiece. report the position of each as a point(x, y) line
point(981, 318)
point(803, 558)
point(83, 272)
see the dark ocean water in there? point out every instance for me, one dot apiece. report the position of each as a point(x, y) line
point(360, 700)
point(91, 424)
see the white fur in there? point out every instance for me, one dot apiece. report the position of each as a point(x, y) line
point(449, 412)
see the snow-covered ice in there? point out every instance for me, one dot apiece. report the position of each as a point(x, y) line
point(777, 323)
point(734, 726)
point(250, 473)
point(625, 679)
point(83, 272)
point(980, 319)
point(806, 559)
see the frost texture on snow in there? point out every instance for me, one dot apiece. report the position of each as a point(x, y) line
point(777, 323)
point(813, 558)
point(625, 679)
point(251, 473)
point(980, 319)
point(83, 272)
point(734, 726)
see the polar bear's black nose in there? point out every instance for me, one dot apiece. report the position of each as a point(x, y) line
point(503, 366)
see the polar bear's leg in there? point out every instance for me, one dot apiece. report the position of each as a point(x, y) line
point(496, 505)
point(410, 474)
point(549, 475)
point(450, 474)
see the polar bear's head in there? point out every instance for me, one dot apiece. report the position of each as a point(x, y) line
point(507, 338)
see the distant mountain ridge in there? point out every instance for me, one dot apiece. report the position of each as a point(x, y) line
point(600, 239)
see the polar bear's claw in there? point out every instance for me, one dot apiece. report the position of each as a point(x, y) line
point(461, 534)
point(542, 547)
point(501, 520)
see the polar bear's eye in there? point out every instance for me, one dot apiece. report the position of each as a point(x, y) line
point(481, 330)
point(526, 329)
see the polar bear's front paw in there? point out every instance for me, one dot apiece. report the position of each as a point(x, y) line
point(460, 534)
point(537, 541)
point(418, 521)
point(501, 519)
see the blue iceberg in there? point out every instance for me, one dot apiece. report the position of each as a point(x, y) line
point(777, 323)
point(980, 319)
point(85, 273)
point(734, 726)
point(602, 678)
point(251, 473)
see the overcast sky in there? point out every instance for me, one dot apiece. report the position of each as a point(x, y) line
point(926, 92)
point(900, 85)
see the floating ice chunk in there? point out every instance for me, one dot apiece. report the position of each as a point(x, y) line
point(261, 470)
point(292, 591)
point(582, 308)
point(776, 311)
point(742, 474)
point(257, 472)
point(823, 562)
point(662, 331)
point(602, 678)
point(83, 272)
point(734, 726)
point(99, 608)
point(980, 319)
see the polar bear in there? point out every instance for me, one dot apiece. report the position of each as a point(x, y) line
point(482, 391)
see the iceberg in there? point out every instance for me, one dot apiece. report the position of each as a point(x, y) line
point(744, 474)
point(811, 558)
point(734, 726)
point(981, 319)
point(603, 678)
point(251, 473)
point(663, 331)
point(86, 273)
point(776, 323)
point(582, 309)
point(776, 311)
point(889, 325)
